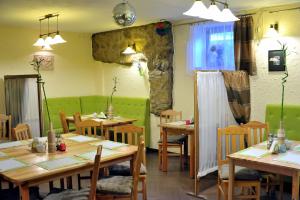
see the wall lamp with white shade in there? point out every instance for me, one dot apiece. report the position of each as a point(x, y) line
point(213, 12)
point(45, 40)
point(131, 49)
point(272, 31)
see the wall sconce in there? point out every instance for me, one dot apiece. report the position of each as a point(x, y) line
point(45, 43)
point(131, 49)
point(272, 31)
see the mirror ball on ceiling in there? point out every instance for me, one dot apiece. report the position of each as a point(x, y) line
point(124, 14)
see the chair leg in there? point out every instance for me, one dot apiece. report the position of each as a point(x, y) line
point(281, 187)
point(181, 159)
point(144, 189)
point(69, 182)
point(79, 181)
point(218, 192)
point(51, 186)
point(159, 158)
point(62, 183)
point(258, 192)
point(11, 185)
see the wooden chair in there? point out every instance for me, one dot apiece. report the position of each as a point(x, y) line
point(231, 139)
point(77, 119)
point(130, 134)
point(5, 128)
point(256, 130)
point(21, 132)
point(87, 193)
point(109, 188)
point(89, 128)
point(64, 123)
point(174, 141)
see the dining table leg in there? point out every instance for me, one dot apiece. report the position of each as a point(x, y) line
point(231, 180)
point(164, 150)
point(192, 156)
point(295, 187)
point(24, 192)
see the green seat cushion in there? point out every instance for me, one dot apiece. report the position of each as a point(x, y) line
point(115, 185)
point(291, 120)
point(175, 139)
point(123, 169)
point(241, 173)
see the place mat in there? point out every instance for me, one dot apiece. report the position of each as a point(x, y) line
point(107, 144)
point(10, 164)
point(91, 154)
point(178, 123)
point(289, 157)
point(2, 154)
point(59, 163)
point(81, 138)
point(254, 152)
point(296, 148)
point(12, 144)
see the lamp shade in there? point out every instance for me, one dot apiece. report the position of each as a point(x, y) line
point(128, 51)
point(47, 47)
point(39, 43)
point(227, 16)
point(198, 9)
point(213, 12)
point(271, 32)
point(58, 39)
point(49, 40)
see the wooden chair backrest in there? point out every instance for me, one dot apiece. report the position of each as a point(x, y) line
point(130, 134)
point(22, 132)
point(231, 139)
point(5, 127)
point(77, 119)
point(170, 116)
point(137, 167)
point(64, 122)
point(256, 130)
point(89, 127)
point(93, 188)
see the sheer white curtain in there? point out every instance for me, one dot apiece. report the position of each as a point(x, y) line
point(214, 113)
point(30, 106)
point(210, 47)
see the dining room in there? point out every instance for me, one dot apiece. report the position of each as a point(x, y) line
point(161, 99)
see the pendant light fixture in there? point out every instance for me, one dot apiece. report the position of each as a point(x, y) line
point(45, 39)
point(130, 50)
point(198, 9)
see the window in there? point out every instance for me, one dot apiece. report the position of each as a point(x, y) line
point(211, 47)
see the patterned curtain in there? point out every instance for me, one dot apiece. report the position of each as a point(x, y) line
point(244, 45)
point(238, 91)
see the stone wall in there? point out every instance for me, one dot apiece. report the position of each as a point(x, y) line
point(157, 48)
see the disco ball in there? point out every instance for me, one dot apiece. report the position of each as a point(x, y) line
point(124, 14)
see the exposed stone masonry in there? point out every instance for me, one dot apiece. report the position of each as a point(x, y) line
point(159, 50)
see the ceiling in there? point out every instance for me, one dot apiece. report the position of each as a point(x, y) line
point(96, 15)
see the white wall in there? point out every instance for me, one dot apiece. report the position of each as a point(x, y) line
point(74, 68)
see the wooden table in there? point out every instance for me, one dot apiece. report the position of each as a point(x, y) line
point(34, 175)
point(171, 129)
point(268, 164)
point(107, 123)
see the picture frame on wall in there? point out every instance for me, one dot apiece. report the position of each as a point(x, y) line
point(276, 59)
point(47, 63)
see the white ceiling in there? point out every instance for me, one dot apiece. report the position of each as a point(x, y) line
point(96, 15)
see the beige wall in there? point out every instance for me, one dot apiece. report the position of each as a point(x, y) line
point(265, 87)
point(74, 68)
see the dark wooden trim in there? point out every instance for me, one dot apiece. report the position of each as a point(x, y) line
point(20, 76)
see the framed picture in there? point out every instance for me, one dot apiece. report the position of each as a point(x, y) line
point(276, 60)
point(47, 61)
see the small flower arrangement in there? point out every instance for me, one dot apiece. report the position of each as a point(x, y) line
point(163, 27)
